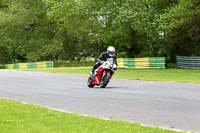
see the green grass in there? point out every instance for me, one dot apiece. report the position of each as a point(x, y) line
point(167, 75)
point(16, 117)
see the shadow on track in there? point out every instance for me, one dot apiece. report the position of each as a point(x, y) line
point(106, 88)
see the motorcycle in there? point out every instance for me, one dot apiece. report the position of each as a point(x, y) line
point(102, 74)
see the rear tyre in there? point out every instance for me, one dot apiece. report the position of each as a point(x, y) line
point(105, 79)
point(89, 83)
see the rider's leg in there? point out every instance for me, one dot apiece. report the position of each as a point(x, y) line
point(96, 65)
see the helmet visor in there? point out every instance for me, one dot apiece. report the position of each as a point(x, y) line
point(111, 53)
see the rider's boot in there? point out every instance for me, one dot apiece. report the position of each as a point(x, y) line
point(92, 74)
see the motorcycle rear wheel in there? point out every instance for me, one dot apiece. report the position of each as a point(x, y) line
point(89, 83)
point(104, 80)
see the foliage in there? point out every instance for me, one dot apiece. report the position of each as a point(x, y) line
point(37, 30)
point(2, 66)
point(73, 63)
point(180, 26)
point(25, 30)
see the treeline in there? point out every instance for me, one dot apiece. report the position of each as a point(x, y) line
point(36, 30)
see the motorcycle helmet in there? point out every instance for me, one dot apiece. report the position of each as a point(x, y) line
point(111, 51)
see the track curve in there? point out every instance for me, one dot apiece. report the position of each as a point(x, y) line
point(169, 105)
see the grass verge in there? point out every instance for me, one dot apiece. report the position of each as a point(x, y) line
point(17, 117)
point(166, 75)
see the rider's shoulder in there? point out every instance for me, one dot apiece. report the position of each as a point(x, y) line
point(104, 53)
point(115, 56)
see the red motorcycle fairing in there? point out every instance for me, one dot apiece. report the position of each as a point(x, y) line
point(97, 79)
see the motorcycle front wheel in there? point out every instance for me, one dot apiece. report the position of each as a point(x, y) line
point(89, 83)
point(105, 79)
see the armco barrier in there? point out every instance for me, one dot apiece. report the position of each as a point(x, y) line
point(32, 65)
point(44, 64)
point(188, 62)
point(6, 66)
point(22, 65)
point(147, 62)
point(129, 63)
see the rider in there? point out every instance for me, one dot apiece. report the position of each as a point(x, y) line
point(103, 57)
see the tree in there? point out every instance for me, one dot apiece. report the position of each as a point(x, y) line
point(36, 30)
point(181, 28)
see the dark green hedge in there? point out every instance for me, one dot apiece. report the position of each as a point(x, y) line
point(73, 63)
point(2, 66)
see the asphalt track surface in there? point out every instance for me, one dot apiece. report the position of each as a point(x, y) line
point(169, 105)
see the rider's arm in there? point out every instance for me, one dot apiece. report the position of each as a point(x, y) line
point(101, 57)
point(115, 60)
point(98, 60)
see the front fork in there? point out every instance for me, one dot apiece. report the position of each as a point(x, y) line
point(104, 73)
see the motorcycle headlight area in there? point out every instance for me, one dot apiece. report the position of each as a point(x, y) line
point(107, 65)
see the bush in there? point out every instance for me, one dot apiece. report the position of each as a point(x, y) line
point(2, 66)
point(171, 65)
point(73, 63)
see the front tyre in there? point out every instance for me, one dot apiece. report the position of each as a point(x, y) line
point(89, 83)
point(105, 79)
